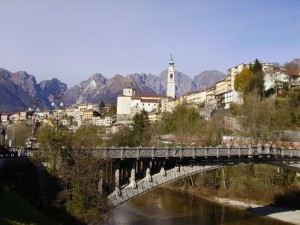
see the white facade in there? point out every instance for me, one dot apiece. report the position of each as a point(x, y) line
point(15, 117)
point(96, 120)
point(128, 104)
point(123, 105)
point(171, 80)
point(128, 91)
point(4, 118)
point(93, 107)
point(106, 122)
point(271, 79)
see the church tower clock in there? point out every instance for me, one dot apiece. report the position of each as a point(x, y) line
point(171, 79)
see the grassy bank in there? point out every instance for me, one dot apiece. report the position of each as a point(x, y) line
point(15, 210)
point(27, 195)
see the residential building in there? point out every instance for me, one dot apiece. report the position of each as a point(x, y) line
point(106, 121)
point(23, 115)
point(88, 114)
point(15, 117)
point(196, 97)
point(154, 116)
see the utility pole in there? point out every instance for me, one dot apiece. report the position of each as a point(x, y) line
point(57, 104)
point(31, 143)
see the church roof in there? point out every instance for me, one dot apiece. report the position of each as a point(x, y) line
point(149, 96)
point(151, 100)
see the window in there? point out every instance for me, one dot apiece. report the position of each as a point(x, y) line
point(171, 76)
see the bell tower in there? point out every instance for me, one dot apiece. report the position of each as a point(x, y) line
point(171, 79)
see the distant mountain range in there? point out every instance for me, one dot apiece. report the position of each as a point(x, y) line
point(17, 89)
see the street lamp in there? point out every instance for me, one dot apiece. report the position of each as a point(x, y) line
point(34, 103)
point(57, 103)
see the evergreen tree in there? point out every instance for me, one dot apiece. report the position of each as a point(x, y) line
point(101, 106)
point(257, 67)
point(256, 82)
point(140, 134)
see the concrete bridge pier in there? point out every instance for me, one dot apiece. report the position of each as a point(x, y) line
point(117, 182)
point(100, 182)
point(132, 175)
point(148, 175)
point(162, 172)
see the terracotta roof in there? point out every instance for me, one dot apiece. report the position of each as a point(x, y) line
point(151, 100)
point(150, 96)
point(136, 97)
point(124, 96)
point(291, 72)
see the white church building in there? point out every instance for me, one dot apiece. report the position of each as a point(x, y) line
point(130, 103)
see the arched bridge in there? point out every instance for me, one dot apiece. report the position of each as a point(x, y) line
point(138, 170)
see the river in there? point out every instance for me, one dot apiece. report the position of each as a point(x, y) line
point(165, 206)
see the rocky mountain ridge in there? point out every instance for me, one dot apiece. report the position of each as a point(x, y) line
point(18, 88)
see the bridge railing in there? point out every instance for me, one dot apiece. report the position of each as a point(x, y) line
point(180, 152)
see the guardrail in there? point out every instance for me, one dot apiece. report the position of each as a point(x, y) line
point(179, 152)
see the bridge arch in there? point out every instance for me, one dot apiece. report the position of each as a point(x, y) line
point(151, 182)
point(138, 170)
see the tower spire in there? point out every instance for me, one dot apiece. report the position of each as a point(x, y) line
point(171, 79)
point(171, 62)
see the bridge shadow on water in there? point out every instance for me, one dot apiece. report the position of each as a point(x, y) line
point(268, 210)
point(286, 207)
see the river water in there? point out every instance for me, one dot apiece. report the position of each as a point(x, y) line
point(164, 206)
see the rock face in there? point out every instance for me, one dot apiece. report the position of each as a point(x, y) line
point(208, 78)
point(293, 65)
point(12, 96)
point(98, 88)
point(18, 88)
point(183, 82)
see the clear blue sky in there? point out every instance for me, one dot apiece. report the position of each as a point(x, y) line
point(73, 39)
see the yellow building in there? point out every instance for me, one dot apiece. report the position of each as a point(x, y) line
point(88, 114)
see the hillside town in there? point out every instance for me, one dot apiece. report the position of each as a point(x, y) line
point(220, 95)
point(114, 117)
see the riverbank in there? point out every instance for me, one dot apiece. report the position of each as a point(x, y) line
point(282, 214)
